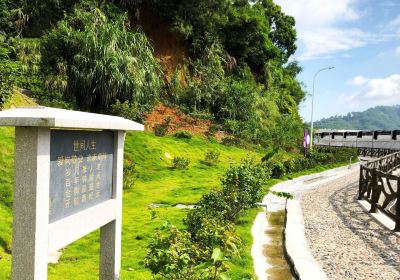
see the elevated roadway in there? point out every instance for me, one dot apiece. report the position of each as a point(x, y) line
point(382, 141)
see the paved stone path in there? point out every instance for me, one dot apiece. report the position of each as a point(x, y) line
point(346, 241)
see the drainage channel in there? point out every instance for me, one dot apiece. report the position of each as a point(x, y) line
point(278, 268)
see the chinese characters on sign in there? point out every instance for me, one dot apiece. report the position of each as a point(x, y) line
point(80, 170)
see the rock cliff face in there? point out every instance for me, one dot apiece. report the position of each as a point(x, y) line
point(169, 48)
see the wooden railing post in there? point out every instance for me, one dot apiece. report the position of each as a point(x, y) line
point(375, 192)
point(397, 221)
point(360, 184)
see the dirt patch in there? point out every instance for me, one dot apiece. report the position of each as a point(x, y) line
point(170, 48)
point(179, 121)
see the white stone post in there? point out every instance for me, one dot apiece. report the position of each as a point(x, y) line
point(31, 203)
point(110, 234)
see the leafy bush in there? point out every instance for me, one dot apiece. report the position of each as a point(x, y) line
point(162, 128)
point(214, 234)
point(129, 174)
point(242, 186)
point(234, 141)
point(9, 70)
point(180, 162)
point(278, 169)
point(213, 128)
point(201, 252)
point(172, 255)
point(280, 163)
point(287, 132)
point(212, 204)
point(211, 157)
point(129, 110)
point(183, 134)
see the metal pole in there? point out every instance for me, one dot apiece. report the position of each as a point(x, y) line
point(312, 104)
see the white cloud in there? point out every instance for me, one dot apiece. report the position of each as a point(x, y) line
point(386, 88)
point(318, 26)
point(391, 30)
point(397, 51)
point(357, 81)
point(324, 41)
point(378, 91)
point(329, 27)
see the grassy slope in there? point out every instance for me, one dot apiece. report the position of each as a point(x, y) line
point(156, 183)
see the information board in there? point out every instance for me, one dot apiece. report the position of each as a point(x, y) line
point(81, 170)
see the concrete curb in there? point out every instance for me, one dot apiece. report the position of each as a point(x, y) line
point(296, 245)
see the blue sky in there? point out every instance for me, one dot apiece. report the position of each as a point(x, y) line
point(361, 39)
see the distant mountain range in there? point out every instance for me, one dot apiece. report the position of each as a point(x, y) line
point(377, 118)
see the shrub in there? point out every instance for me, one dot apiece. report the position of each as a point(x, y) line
point(8, 70)
point(162, 128)
point(201, 252)
point(129, 174)
point(172, 254)
point(183, 134)
point(180, 162)
point(242, 186)
point(129, 110)
point(278, 169)
point(234, 141)
point(212, 129)
point(211, 157)
point(211, 205)
point(214, 234)
point(282, 162)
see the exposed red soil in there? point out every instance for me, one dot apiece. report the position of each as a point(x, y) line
point(170, 48)
point(179, 121)
point(171, 52)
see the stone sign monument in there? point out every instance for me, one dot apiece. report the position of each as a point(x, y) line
point(67, 183)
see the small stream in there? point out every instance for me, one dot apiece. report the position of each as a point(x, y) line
point(273, 250)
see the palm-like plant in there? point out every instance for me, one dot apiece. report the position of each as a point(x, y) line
point(113, 64)
point(106, 60)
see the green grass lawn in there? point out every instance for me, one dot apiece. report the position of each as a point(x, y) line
point(156, 182)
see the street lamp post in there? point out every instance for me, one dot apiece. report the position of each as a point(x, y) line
point(312, 104)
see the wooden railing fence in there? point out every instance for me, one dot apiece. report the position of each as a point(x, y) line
point(380, 185)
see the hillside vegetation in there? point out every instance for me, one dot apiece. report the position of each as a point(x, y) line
point(223, 65)
point(223, 61)
point(377, 118)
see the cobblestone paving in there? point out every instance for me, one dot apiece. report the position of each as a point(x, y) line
point(347, 242)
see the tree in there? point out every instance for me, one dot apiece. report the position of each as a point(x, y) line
point(282, 32)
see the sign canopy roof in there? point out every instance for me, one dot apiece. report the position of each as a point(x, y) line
point(60, 118)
